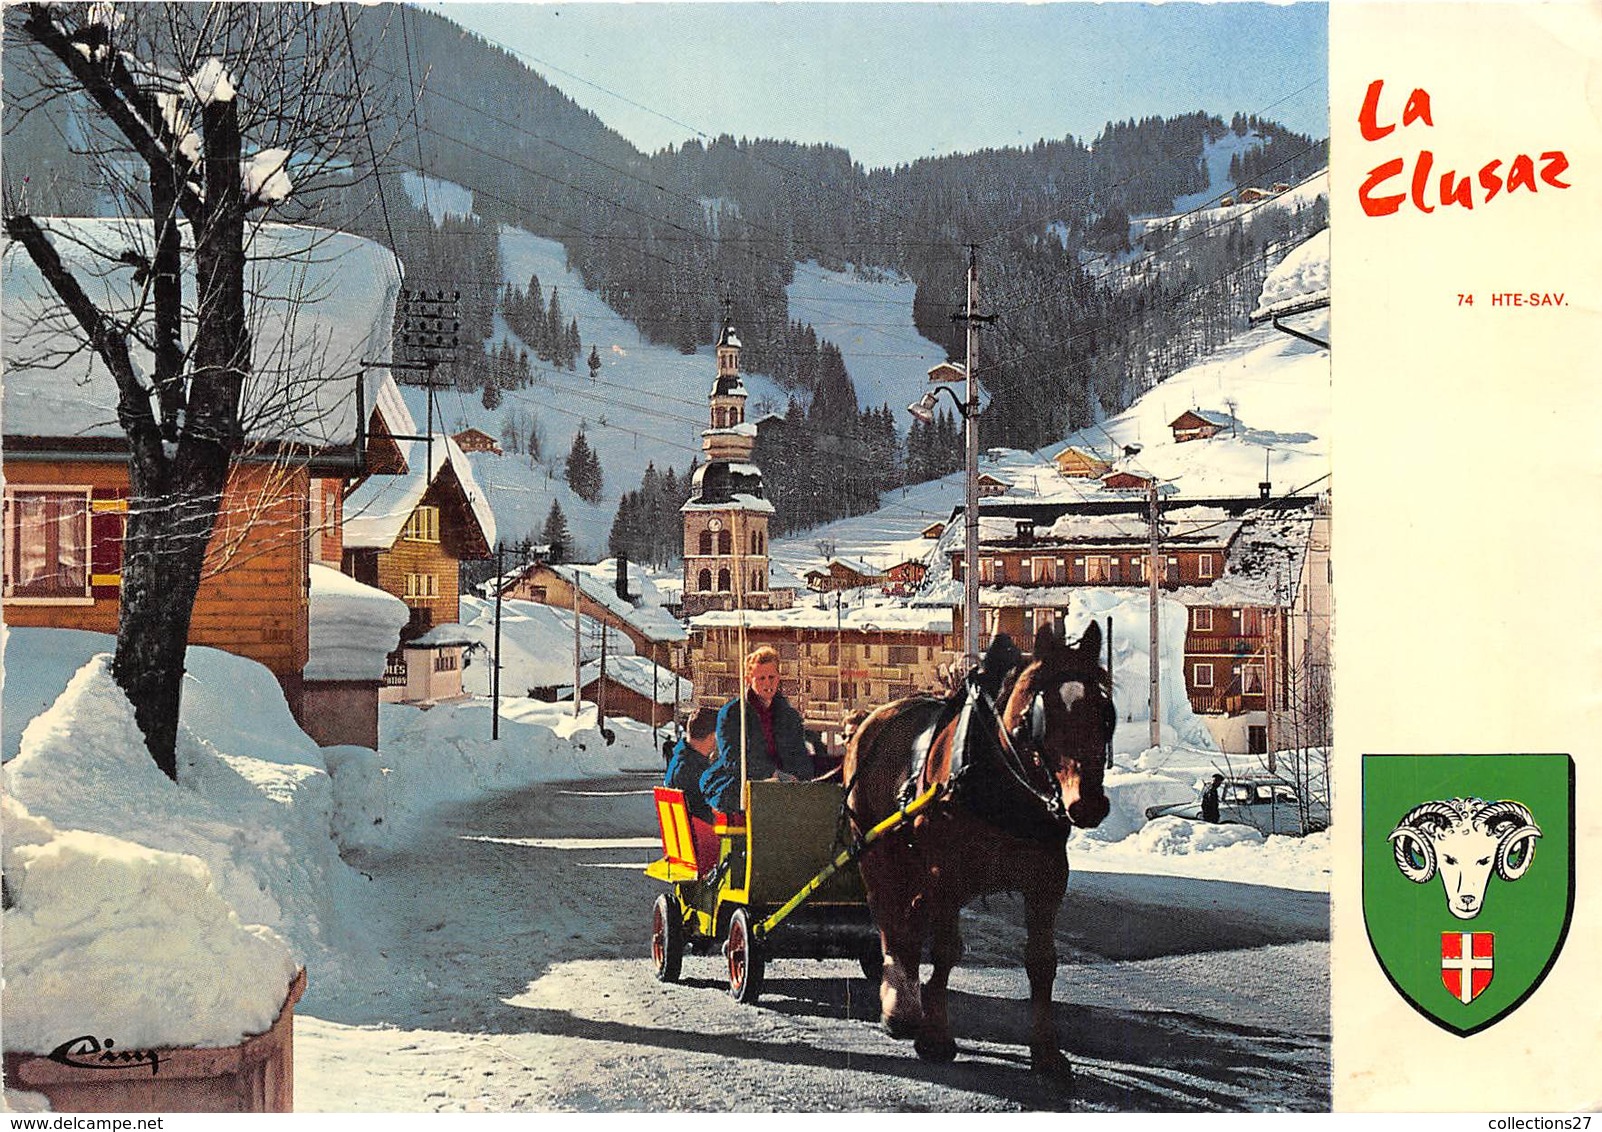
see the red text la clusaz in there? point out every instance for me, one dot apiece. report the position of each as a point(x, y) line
point(1379, 195)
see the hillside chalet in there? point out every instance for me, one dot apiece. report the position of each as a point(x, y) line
point(1200, 424)
point(314, 397)
point(1080, 463)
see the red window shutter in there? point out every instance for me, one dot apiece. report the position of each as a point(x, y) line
point(108, 515)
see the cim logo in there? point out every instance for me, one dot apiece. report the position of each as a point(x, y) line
point(1467, 959)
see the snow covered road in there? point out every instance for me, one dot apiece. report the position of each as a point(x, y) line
point(517, 979)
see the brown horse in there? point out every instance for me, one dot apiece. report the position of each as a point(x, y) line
point(1056, 720)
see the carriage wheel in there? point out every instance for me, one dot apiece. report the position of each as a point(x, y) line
point(745, 959)
point(667, 938)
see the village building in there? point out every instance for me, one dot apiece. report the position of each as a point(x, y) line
point(1253, 577)
point(726, 517)
point(1201, 424)
point(905, 576)
point(933, 530)
point(844, 574)
point(652, 630)
point(635, 687)
point(408, 535)
point(316, 397)
point(471, 440)
point(1080, 463)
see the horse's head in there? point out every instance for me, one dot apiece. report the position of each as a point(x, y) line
point(1061, 708)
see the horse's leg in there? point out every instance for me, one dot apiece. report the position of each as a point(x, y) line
point(935, 1042)
point(899, 912)
point(1041, 902)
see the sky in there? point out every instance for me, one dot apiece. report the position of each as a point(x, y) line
point(896, 82)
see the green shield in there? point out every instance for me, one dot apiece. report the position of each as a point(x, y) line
point(1456, 832)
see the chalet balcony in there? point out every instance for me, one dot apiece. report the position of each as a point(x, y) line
point(1206, 645)
point(1205, 701)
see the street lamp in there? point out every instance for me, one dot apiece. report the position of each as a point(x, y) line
point(923, 409)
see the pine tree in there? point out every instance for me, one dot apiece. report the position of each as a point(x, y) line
point(595, 362)
point(583, 469)
point(555, 533)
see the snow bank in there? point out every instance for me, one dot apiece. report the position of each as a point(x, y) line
point(352, 627)
point(445, 754)
point(111, 938)
point(1170, 837)
point(1301, 277)
point(259, 821)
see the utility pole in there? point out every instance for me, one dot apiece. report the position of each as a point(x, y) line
point(1153, 564)
point(495, 668)
point(600, 695)
point(970, 424)
point(578, 648)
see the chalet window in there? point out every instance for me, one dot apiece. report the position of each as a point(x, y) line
point(1251, 679)
point(1203, 677)
point(423, 526)
point(987, 569)
point(1001, 571)
point(1201, 620)
point(1251, 624)
point(422, 586)
point(47, 544)
point(1044, 575)
point(903, 656)
point(445, 662)
point(703, 581)
point(1204, 566)
point(1098, 568)
point(1027, 574)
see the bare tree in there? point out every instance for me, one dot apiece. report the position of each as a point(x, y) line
point(170, 94)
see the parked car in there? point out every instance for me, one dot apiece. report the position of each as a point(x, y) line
point(1265, 802)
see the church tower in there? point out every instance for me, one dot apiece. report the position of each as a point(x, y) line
point(726, 519)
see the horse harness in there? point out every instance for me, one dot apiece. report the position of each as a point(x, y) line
point(991, 770)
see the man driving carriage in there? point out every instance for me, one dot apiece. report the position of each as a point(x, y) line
point(774, 739)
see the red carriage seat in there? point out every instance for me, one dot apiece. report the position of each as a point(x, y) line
point(687, 841)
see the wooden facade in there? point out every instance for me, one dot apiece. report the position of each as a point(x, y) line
point(1078, 463)
point(254, 599)
point(472, 440)
point(839, 575)
point(1045, 564)
point(1192, 425)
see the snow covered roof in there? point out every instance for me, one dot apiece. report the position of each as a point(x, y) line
point(351, 627)
point(856, 566)
point(442, 636)
point(377, 511)
point(639, 674)
point(319, 304)
point(1299, 282)
point(1211, 416)
point(737, 502)
point(744, 428)
point(656, 623)
point(880, 618)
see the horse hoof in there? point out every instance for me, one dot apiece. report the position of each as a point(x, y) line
point(900, 1028)
point(1048, 1061)
point(939, 1050)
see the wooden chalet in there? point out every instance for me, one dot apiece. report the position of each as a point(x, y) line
point(843, 574)
point(1200, 424)
point(1250, 195)
point(636, 687)
point(1080, 463)
point(471, 440)
point(947, 373)
point(934, 530)
point(905, 576)
point(1126, 481)
point(653, 631)
point(66, 459)
point(990, 486)
point(408, 535)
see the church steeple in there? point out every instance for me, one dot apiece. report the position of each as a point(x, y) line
point(726, 518)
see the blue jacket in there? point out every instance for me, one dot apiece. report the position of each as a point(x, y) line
point(684, 771)
point(721, 783)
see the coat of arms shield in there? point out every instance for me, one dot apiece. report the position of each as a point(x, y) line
point(1468, 878)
